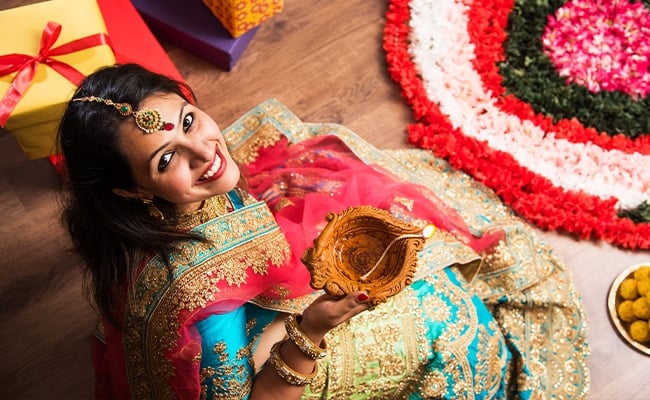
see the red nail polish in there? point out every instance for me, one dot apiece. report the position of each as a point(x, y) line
point(362, 297)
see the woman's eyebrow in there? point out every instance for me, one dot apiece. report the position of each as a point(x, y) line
point(151, 157)
point(180, 114)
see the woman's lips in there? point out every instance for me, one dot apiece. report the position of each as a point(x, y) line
point(215, 170)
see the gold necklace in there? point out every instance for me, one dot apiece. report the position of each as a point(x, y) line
point(211, 208)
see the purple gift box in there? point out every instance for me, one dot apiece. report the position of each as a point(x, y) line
point(192, 26)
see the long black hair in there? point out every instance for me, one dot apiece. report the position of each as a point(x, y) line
point(112, 234)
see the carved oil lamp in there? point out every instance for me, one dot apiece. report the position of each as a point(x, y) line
point(365, 249)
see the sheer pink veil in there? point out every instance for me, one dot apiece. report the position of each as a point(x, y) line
point(303, 182)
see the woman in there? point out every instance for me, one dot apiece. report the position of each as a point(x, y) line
point(197, 273)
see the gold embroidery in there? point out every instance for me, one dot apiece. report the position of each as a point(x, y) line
point(227, 383)
point(197, 271)
point(498, 258)
point(460, 329)
point(264, 136)
point(211, 208)
point(223, 379)
point(250, 324)
point(286, 305)
point(520, 267)
point(220, 348)
point(434, 385)
point(391, 349)
point(204, 374)
point(441, 251)
point(549, 331)
point(487, 376)
point(387, 355)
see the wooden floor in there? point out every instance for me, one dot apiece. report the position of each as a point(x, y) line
point(323, 59)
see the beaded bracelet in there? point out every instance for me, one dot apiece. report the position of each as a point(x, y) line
point(304, 343)
point(287, 373)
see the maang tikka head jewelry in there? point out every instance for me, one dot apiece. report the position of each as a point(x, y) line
point(146, 119)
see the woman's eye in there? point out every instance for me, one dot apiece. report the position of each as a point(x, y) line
point(165, 160)
point(187, 121)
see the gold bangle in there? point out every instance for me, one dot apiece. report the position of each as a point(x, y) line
point(287, 373)
point(302, 341)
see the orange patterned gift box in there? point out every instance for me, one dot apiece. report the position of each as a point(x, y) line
point(46, 49)
point(240, 16)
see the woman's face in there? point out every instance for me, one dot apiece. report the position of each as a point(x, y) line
point(185, 165)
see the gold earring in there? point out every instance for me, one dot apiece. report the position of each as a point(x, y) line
point(153, 210)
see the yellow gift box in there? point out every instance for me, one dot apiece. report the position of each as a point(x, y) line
point(34, 110)
point(240, 16)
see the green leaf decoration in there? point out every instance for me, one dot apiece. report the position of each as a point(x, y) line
point(638, 214)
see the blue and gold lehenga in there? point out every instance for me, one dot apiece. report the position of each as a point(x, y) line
point(482, 320)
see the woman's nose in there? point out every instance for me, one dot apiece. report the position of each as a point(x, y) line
point(201, 151)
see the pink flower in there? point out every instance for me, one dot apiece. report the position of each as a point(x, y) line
point(602, 45)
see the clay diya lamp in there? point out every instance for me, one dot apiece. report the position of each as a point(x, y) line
point(365, 249)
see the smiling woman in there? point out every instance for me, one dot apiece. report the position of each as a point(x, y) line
point(198, 274)
point(187, 164)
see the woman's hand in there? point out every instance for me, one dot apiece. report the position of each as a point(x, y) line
point(327, 311)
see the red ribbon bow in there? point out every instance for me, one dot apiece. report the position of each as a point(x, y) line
point(26, 64)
